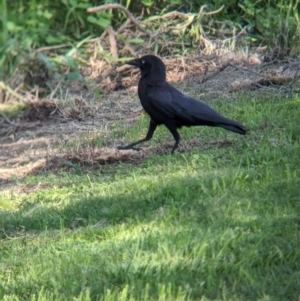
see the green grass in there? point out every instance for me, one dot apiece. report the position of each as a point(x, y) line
point(213, 224)
point(12, 110)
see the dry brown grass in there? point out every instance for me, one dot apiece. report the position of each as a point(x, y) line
point(270, 78)
point(54, 130)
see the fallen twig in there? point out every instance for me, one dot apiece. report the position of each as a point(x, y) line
point(112, 42)
point(122, 8)
point(295, 78)
point(48, 48)
point(8, 120)
point(206, 78)
point(174, 14)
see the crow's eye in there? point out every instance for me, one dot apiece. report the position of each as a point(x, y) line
point(143, 61)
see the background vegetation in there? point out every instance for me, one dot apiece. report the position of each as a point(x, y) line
point(26, 25)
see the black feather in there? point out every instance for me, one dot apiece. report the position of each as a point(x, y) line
point(166, 105)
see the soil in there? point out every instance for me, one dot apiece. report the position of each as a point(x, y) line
point(51, 135)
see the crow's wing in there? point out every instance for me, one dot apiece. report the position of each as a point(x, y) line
point(173, 104)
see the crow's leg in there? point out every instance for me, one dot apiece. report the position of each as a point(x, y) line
point(151, 130)
point(176, 136)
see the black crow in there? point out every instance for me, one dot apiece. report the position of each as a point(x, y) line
point(168, 106)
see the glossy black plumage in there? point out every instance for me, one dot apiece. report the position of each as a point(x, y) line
point(168, 106)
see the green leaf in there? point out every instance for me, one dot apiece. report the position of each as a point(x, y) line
point(69, 163)
point(83, 5)
point(137, 41)
point(48, 15)
point(122, 38)
point(100, 21)
point(70, 62)
point(174, 2)
point(47, 61)
point(50, 39)
point(103, 22)
point(107, 57)
point(156, 48)
point(74, 76)
point(12, 27)
point(92, 19)
point(28, 41)
point(148, 3)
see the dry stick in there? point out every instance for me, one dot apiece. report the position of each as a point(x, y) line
point(213, 12)
point(48, 48)
point(201, 13)
point(112, 42)
point(122, 8)
point(206, 78)
point(127, 47)
point(191, 16)
point(295, 78)
point(123, 68)
point(285, 68)
point(185, 25)
point(124, 26)
point(174, 14)
point(44, 49)
point(103, 35)
point(246, 70)
point(8, 120)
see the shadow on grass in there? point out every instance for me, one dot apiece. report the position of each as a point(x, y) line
point(210, 235)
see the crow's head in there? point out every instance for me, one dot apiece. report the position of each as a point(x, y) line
point(151, 67)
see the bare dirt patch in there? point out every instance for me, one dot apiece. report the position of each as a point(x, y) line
point(93, 157)
point(52, 132)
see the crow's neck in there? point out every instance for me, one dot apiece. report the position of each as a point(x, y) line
point(153, 77)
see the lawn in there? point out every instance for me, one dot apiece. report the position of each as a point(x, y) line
point(219, 221)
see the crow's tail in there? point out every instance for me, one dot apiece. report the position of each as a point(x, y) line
point(234, 128)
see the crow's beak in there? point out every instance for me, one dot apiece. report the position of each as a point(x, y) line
point(135, 62)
